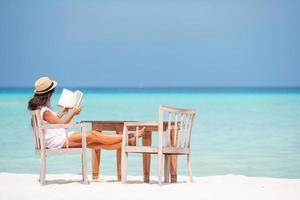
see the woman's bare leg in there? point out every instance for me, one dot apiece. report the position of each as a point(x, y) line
point(72, 144)
point(96, 145)
point(106, 147)
point(131, 142)
point(95, 137)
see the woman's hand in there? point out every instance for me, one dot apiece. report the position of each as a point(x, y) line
point(76, 110)
point(65, 110)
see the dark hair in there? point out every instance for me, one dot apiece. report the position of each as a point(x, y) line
point(40, 100)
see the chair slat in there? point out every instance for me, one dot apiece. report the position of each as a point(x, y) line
point(35, 131)
point(190, 129)
point(186, 130)
point(180, 131)
point(175, 130)
point(169, 130)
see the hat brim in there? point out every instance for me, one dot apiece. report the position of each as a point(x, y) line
point(42, 92)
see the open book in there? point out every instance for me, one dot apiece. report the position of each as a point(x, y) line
point(70, 99)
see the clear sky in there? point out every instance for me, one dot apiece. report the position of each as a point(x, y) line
point(203, 43)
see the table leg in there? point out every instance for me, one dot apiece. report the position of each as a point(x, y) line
point(119, 164)
point(173, 161)
point(96, 163)
point(119, 153)
point(147, 139)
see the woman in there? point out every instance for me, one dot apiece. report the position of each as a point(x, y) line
point(56, 138)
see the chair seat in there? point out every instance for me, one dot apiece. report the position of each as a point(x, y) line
point(61, 151)
point(154, 150)
point(175, 150)
point(141, 149)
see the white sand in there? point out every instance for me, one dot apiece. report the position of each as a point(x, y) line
point(68, 186)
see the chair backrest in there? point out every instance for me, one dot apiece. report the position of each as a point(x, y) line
point(179, 126)
point(36, 123)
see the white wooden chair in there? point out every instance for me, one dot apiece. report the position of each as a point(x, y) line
point(40, 148)
point(175, 139)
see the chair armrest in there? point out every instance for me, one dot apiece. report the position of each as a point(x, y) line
point(55, 126)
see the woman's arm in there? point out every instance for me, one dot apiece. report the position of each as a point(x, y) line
point(52, 119)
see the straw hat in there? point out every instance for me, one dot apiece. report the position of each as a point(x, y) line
point(43, 85)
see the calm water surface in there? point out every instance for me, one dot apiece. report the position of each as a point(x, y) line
point(254, 133)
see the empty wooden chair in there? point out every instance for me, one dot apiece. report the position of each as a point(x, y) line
point(173, 140)
point(40, 148)
point(177, 137)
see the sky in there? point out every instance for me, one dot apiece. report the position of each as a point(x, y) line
point(157, 43)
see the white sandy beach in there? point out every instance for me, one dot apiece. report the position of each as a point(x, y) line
point(68, 186)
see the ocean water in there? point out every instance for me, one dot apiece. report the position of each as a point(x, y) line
point(240, 131)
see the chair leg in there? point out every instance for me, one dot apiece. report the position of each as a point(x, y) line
point(189, 167)
point(167, 168)
point(160, 166)
point(84, 167)
point(124, 166)
point(43, 170)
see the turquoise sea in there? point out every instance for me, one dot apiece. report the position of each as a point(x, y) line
point(253, 132)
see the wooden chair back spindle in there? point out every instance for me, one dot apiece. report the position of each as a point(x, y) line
point(36, 124)
point(179, 126)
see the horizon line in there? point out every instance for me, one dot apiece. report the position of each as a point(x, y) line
point(161, 87)
point(245, 90)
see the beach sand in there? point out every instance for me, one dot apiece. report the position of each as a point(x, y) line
point(69, 186)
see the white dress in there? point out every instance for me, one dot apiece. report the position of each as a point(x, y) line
point(54, 138)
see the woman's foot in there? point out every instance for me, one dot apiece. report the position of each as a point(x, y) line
point(132, 136)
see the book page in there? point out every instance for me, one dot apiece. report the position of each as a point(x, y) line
point(67, 99)
point(78, 98)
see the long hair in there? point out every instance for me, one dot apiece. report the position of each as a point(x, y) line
point(40, 100)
